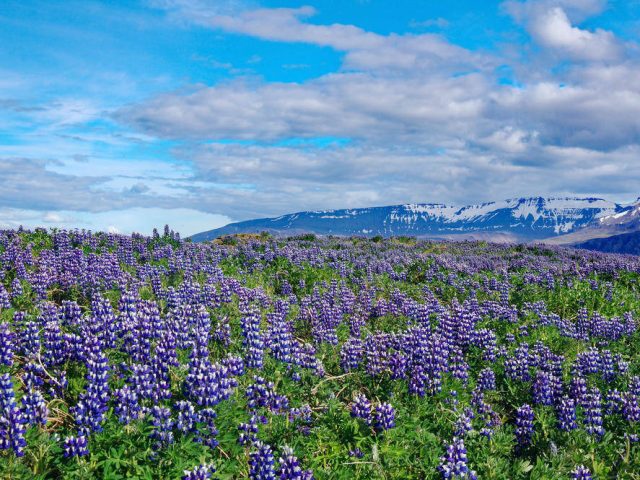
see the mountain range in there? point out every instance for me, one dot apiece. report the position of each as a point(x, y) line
point(558, 220)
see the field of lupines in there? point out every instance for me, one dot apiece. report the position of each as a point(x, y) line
point(152, 357)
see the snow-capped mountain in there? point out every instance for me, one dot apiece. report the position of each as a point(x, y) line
point(519, 218)
point(625, 221)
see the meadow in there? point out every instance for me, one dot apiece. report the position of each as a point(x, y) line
point(327, 358)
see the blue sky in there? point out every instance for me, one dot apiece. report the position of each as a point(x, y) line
point(128, 115)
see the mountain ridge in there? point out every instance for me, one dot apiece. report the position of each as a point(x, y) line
point(524, 218)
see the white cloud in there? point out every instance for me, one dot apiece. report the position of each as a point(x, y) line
point(510, 140)
point(356, 105)
point(285, 179)
point(552, 24)
point(364, 49)
point(554, 30)
point(53, 217)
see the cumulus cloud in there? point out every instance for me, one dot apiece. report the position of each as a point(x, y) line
point(261, 180)
point(27, 183)
point(437, 109)
point(554, 30)
point(349, 104)
point(550, 24)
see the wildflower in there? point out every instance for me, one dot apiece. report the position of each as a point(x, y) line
point(384, 417)
point(581, 473)
point(524, 425)
point(201, 472)
point(75, 446)
point(453, 465)
point(261, 463)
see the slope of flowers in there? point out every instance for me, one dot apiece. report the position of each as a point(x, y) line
point(153, 357)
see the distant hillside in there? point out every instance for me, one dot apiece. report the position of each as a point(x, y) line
point(623, 243)
point(520, 219)
point(624, 221)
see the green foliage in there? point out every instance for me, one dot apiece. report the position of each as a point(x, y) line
point(412, 449)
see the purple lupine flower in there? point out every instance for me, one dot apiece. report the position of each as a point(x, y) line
point(458, 367)
point(103, 321)
point(253, 340)
point(92, 405)
point(631, 407)
point(581, 473)
point(5, 300)
point(517, 367)
point(12, 428)
point(417, 381)
point(361, 408)
point(201, 472)
point(486, 340)
point(607, 366)
point(261, 463)
point(7, 338)
point(302, 413)
point(75, 446)
point(55, 347)
point(614, 402)
point(634, 385)
point(12, 421)
point(588, 362)
point(208, 384)
point(260, 393)
point(187, 417)
point(248, 431)
point(621, 364)
point(16, 288)
point(29, 338)
point(566, 414)
point(235, 364)
point(593, 412)
point(33, 375)
point(280, 332)
point(351, 354)
point(163, 425)
point(71, 313)
point(453, 465)
point(206, 428)
point(384, 417)
point(463, 423)
point(524, 425)
point(487, 379)
point(34, 408)
point(127, 407)
point(356, 452)
point(578, 389)
point(398, 364)
point(222, 333)
point(289, 467)
point(543, 393)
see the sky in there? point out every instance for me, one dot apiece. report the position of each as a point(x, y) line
point(127, 115)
